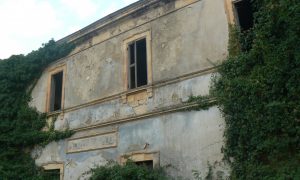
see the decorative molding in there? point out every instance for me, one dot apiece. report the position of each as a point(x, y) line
point(55, 165)
point(92, 142)
point(170, 109)
point(121, 14)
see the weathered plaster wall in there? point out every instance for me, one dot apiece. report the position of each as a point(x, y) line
point(191, 39)
point(185, 140)
point(39, 93)
point(184, 41)
point(109, 111)
point(188, 37)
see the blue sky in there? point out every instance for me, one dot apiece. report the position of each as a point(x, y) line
point(26, 24)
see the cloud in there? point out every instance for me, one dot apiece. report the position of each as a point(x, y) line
point(23, 21)
point(110, 9)
point(127, 2)
point(115, 5)
point(81, 8)
point(25, 25)
point(31, 17)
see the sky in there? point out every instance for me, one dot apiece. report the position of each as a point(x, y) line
point(26, 24)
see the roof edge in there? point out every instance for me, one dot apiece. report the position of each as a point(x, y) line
point(121, 13)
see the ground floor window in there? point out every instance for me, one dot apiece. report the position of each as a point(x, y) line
point(52, 174)
point(148, 164)
point(148, 159)
point(53, 171)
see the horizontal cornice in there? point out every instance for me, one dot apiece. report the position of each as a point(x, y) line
point(170, 109)
point(124, 12)
point(154, 85)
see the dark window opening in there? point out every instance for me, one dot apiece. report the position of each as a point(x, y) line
point(244, 14)
point(53, 174)
point(148, 164)
point(137, 64)
point(56, 91)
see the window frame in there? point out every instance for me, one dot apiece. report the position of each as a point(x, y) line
point(52, 72)
point(136, 37)
point(141, 157)
point(237, 15)
point(55, 166)
point(230, 11)
point(135, 64)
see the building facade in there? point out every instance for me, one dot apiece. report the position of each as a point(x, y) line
point(123, 90)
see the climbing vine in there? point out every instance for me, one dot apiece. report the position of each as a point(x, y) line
point(20, 124)
point(258, 91)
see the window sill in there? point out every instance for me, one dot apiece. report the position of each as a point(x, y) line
point(145, 91)
point(54, 113)
point(139, 156)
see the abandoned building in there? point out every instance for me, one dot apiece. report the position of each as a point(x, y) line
point(123, 89)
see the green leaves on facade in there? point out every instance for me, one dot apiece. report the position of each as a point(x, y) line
point(259, 94)
point(20, 125)
point(114, 171)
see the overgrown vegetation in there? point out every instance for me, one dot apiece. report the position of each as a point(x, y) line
point(259, 93)
point(21, 125)
point(114, 171)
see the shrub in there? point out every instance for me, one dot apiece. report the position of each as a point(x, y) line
point(130, 171)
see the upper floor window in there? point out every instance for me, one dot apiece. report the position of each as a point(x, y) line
point(137, 64)
point(56, 91)
point(243, 14)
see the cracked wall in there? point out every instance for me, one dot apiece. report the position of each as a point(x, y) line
point(188, 38)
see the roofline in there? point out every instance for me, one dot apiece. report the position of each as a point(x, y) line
point(109, 19)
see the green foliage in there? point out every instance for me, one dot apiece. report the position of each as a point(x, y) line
point(20, 125)
point(130, 171)
point(259, 93)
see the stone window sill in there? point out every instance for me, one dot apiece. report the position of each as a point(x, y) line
point(143, 92)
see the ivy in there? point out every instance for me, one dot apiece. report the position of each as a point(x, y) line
point(258, 91)
point(21, 125)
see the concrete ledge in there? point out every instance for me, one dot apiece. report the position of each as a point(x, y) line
point(171, 109)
